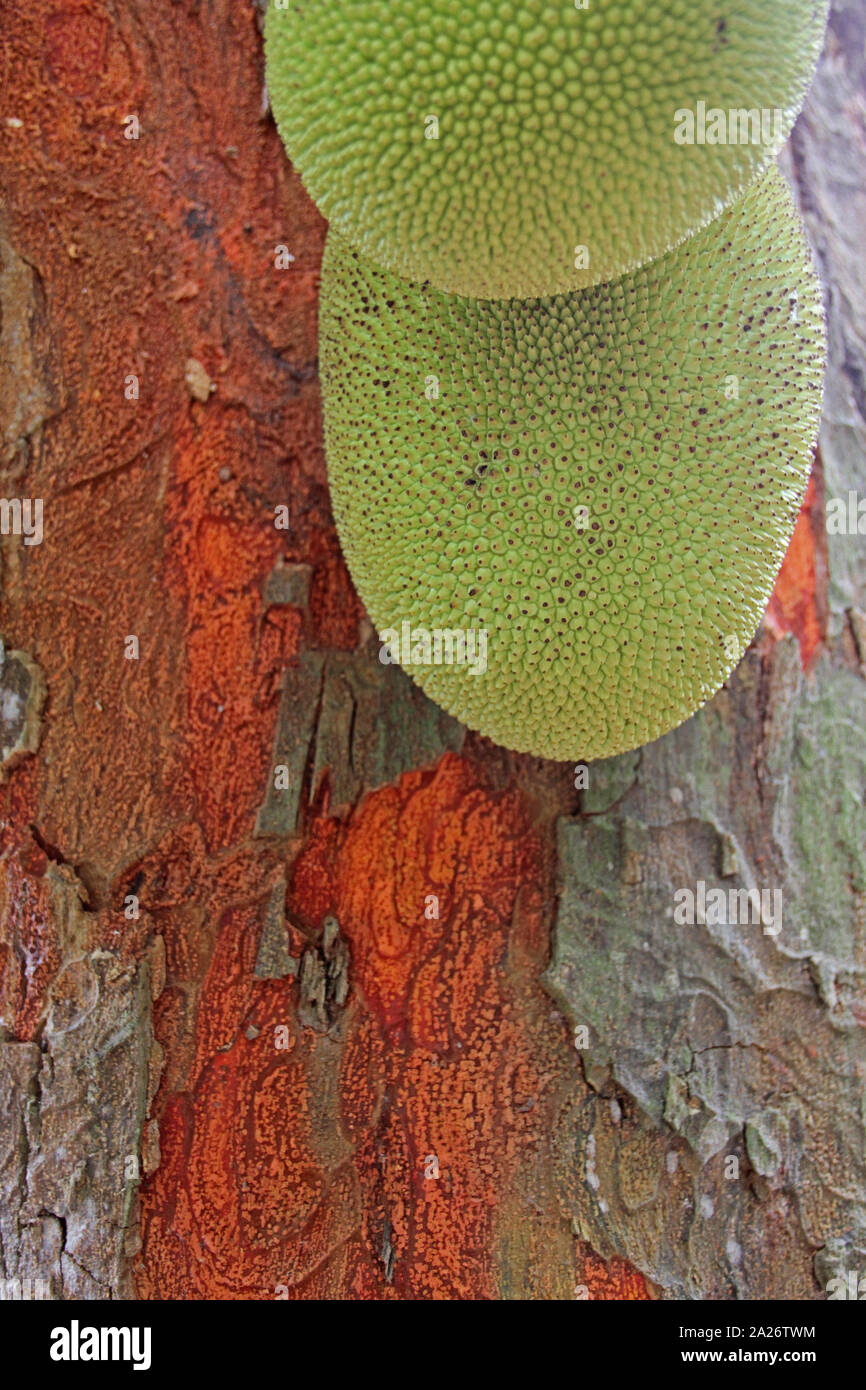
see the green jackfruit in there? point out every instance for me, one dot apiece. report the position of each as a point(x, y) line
point(531, 147)
point(604, 483)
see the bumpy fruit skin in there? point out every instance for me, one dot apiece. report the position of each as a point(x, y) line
point(555, 126)
point(678, 405)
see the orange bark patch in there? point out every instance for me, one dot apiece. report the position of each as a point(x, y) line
point(617, 1281)
point(376, 1162)
point(796, 604)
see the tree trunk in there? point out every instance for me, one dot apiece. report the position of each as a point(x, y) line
point(420, 1023)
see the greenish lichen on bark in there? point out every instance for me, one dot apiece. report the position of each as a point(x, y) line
point(348, 717)
point(740, 1036)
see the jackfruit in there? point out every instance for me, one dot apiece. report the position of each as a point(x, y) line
point(532, 147)
point(597, 489)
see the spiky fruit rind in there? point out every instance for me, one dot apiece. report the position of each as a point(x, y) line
point(555, 127)
point(678, 406)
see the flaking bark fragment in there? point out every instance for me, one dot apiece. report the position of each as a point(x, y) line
point(273, 961)
point(22, 697)
point(324, 979)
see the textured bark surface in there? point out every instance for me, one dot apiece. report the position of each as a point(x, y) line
point(742, 1173)
point(313, 1035)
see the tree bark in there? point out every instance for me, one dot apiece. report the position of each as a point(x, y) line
point(421, 1023)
